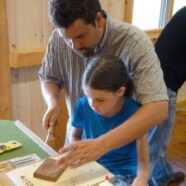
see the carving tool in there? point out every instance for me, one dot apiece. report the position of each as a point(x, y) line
point(49, 134)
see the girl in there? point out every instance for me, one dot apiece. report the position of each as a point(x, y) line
point(103, 108)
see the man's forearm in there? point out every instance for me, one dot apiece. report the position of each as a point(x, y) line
point(50, 92)
point(143, 158)
point(147, 117)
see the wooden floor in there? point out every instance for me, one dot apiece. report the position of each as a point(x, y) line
point(177, 147)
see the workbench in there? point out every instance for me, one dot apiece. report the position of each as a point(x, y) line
point(88, 174)
point(31, 143)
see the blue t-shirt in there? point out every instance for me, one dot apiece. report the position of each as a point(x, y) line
point(121, 161)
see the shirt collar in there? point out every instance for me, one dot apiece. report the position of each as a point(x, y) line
point(106, 32)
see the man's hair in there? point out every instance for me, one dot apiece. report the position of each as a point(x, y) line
point(105, 73)
point(63, 13)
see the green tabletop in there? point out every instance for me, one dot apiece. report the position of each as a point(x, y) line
point(9, 131)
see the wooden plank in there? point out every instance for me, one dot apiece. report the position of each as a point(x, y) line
point(49, 170)
point(30, 58)
point(26, 58)
point(128, 12)
point(115, 8)
point(103, 4)
point(28, 23)
point(153, 34)
point(26, 92)
point(170, 10)
point(5, 84)
point(176, 150)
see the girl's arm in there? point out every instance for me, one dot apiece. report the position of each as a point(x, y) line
point(143, 171)
point(75, 134)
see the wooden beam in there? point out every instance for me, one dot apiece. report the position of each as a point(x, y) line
point(26, 58)
point(153, 34)
point(170, 10)
point(30, 58)
point(128, 12)
point(5, 83)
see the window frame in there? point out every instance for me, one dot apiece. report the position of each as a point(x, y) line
point(166, 13)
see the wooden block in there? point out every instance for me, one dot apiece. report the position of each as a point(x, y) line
point(48, 170)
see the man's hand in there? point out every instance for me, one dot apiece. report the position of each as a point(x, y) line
point(51, 95)
point(51, 115)
point(81, 152)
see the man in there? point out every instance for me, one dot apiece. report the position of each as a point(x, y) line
point(171, 50)
point(84, 30)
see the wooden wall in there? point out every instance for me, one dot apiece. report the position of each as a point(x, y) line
point(114, 7)
point(28, 24)
point(28, 30)
point(5, 87)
